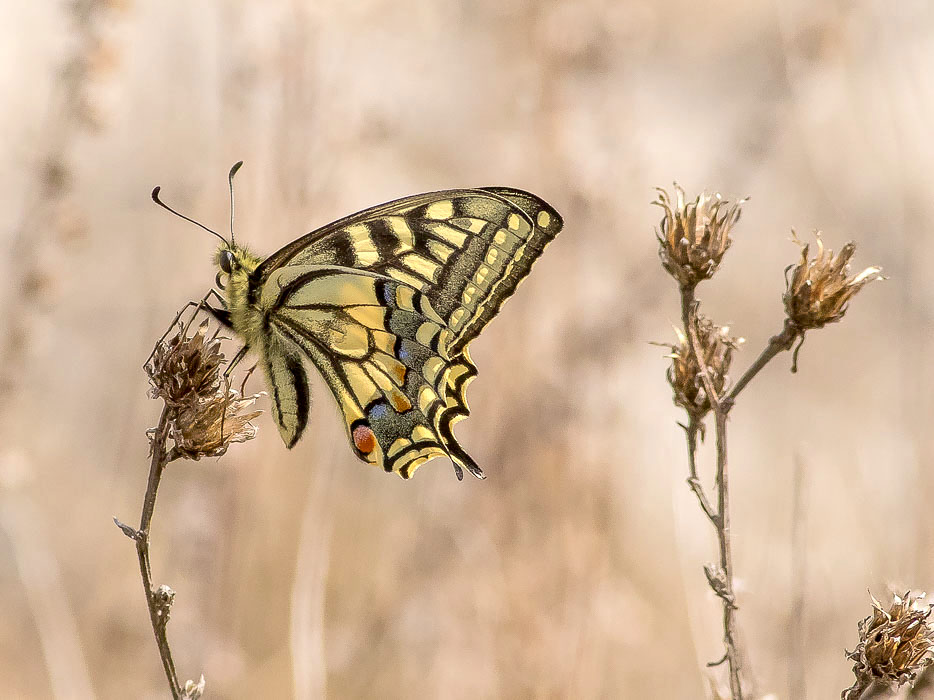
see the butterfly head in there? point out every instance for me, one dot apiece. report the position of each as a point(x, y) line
point(235, 261)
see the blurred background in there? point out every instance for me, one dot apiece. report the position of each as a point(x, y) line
point(575, 569)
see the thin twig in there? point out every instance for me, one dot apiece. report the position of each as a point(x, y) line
point(777, 343)
point(691, 431)
point(158, 612)
point(722, 582)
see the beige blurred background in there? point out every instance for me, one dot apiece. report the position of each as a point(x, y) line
point(575, 569)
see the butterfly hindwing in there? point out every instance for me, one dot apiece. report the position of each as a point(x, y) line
point(288, 383)
point(383, 351)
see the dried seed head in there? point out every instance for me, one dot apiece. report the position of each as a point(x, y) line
point(186, 369)
point(208, 427)
point(693, 236)
point(684, 375)
point(204, 417)
point(818, 290)
point(894, 645)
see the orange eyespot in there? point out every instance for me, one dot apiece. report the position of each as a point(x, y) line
point(364, 439)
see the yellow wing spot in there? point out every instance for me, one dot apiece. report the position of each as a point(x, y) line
point(543, 219)
point(369, 316)
point(432, 367)
point(469, 292)
point(438, 249)
point(401, 229)
point(426, 397)
point(422, 432)
point(362, 387)
point(365, 252)
point(491, 256)
point(383, 341)
point(482, 273)
point(454, 236)
point(444, 339)
point(397, 447)
point(358, 231)
point(391, 366)
point(456, 372)
point(346, 289)
point(405, 278)
point(348, 339)
point(405, 298)
point(427, 332)
point(513, 221)
point(500, 237)
point(456, 317)
point(469, 223)
point(440, 210)
point(420, 265)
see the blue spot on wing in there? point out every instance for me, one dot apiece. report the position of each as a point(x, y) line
point(378, 412)
point(389, 294)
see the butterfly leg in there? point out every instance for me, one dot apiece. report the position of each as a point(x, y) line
point(249, 373)
point(241, 353)
point(202, 304)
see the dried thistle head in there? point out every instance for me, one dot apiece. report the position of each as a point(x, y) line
point(694, 236)
point(894, 645)
point(185, 369)
point(684, 375)
point(204, 416)
point(818, 290)
point(207, 428)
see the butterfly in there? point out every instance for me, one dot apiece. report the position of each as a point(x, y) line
point(384, 303)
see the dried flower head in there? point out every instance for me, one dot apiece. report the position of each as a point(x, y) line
point(694, 236)
point(818, 290)
point(207, 428)
point(684, 375)
point(894, 646)
point(186, 369)
point(205, 417)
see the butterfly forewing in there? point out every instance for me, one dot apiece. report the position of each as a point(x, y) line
point(385, 302)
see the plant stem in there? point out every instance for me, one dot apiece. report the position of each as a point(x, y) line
point(722, 581)
point(691, 431)
point(158, 613)
point(777, 343)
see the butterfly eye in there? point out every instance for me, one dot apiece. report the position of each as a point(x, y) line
point(226, 261)
point(220, 282)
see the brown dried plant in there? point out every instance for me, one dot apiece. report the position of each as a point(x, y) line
point(895, 645)
point(693, 238)
point(202, 416)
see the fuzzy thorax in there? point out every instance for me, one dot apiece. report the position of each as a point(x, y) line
point(246, 319)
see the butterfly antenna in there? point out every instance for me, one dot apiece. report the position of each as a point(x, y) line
point(230, 177)
point(155, 198)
